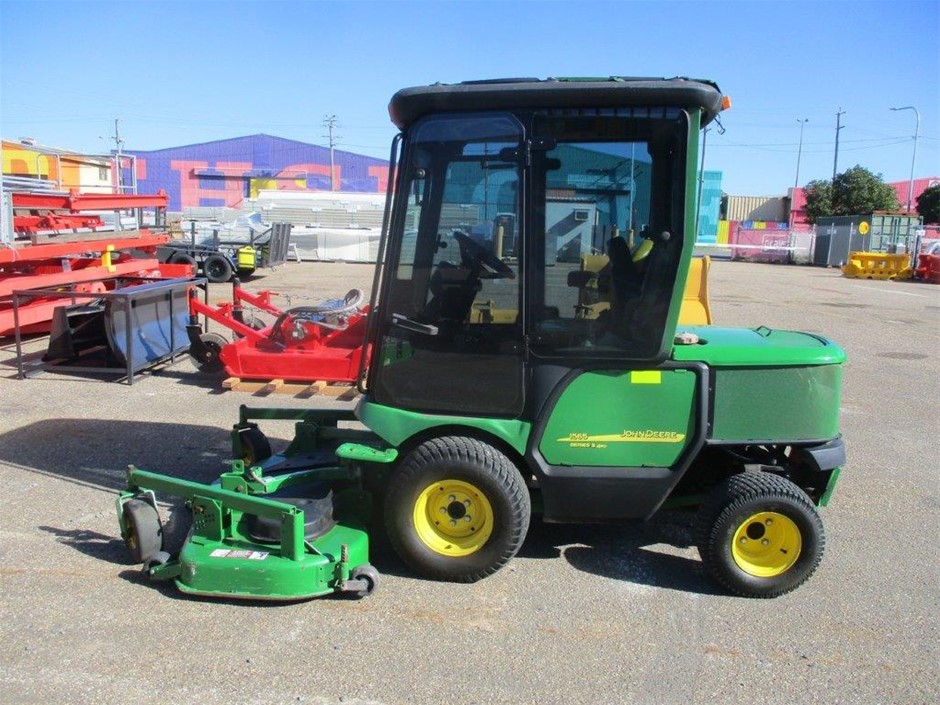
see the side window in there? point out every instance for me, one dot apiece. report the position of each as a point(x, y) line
point(603, 195)
point(452, 329)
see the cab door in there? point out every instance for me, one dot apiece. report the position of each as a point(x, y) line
point(451, 330)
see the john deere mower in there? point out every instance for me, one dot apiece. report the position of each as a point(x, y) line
point(523, 356)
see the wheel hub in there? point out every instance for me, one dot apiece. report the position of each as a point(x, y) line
point(453, 518)
point(766, 544)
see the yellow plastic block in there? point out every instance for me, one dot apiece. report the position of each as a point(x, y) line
point(877, 265)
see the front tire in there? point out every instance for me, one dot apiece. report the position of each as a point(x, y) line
point(456, 509)
point(759, 535)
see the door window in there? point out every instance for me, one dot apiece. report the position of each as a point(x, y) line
point(452, 329)
point(603, 207)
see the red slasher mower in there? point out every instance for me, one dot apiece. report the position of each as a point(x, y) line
point(305, 343)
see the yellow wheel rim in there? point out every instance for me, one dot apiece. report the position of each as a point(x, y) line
point(766, 544)
point(453, 518)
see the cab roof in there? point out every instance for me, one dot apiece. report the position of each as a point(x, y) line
point(409, 104)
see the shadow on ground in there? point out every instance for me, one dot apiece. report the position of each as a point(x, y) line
point(97, 452)
point(638, 553)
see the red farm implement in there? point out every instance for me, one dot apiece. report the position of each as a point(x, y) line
point(305, 343)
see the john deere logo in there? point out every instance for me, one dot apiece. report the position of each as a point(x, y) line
point(582, 440)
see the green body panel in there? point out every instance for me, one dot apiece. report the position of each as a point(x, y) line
point(782, 404)
point(769, 385)
point(759, 347)
point(395, 426)
point(622, 419)
point(237, 567)
point(830, 487)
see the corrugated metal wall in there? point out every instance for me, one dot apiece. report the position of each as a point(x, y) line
point(764, 208)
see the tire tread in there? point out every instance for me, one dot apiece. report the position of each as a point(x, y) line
point(736, 492)
point(491, 461)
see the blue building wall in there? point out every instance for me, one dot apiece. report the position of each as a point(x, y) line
point(710, 207)
point(225, 172)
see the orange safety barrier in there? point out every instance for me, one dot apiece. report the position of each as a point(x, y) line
point(878, 265)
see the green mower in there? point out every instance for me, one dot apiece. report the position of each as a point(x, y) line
point(524, 356)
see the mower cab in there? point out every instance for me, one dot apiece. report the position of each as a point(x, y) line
point(524, 348)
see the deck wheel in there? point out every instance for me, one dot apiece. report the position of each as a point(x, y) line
point(143, 534)
point(210, 362)
point(256, 448)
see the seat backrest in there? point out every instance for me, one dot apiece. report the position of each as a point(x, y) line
point(696, 310)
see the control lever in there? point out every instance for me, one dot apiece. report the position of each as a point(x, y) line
point(408, 324)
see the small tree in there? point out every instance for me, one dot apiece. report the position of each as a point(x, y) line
point(928, 205)
point(856, 191)
point(818, 200)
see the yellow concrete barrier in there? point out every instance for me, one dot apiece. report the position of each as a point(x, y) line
point(877, 265)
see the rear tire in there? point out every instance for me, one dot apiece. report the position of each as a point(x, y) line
point(456, 509)
point(217, 269)
point(183, 258)
point(759, 535)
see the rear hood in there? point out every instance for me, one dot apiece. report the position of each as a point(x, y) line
point(737, 347)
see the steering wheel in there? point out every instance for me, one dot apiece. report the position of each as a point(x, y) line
point(473, 253)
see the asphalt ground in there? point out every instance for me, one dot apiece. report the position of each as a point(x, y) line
point(613, 614)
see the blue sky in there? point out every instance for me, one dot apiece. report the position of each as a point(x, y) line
point(182, 72)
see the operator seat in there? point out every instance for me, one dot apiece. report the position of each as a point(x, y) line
point(453, 289)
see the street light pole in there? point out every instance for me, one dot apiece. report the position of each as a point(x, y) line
point(910, 187)
point(799, 152)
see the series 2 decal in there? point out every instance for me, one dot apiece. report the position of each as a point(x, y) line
point(585, 440)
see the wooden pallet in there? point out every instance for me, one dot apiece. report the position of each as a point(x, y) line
point(343, 392)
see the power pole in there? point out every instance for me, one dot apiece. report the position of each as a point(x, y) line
point(330, 122)
point(118, 142)
point(835, 159)
point(799, 152)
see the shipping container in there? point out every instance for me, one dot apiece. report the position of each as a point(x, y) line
point(837, 236)
point(757, 208)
